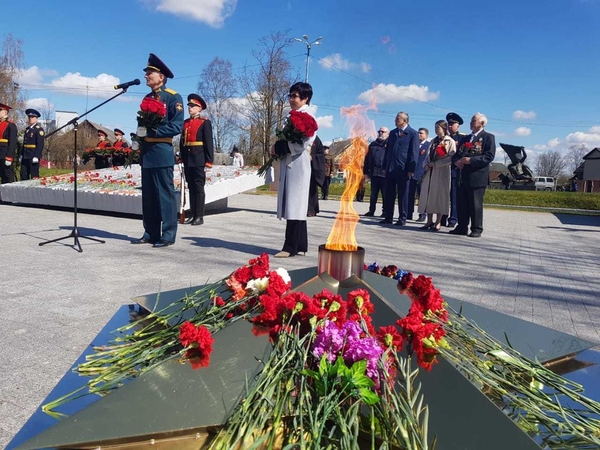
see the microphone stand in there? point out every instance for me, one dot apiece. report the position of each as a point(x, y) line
point(75, 234)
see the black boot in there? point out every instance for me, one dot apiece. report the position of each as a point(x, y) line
point(199, 209)
point(192, 209)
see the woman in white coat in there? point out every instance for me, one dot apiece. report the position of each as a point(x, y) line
point(294, 181)
point(435, 185)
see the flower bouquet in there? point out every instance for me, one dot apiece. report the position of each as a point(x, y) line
point(151, 114)
point(299, 125)
point(92, 152)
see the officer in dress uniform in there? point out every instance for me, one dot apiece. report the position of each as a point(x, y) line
point(159, 207)
point(197, 153)
point(120, 144)
point(454, 122)
point(33, 146)
point(8, 145)
point(101, 161)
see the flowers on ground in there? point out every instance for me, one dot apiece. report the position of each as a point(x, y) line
point(198, 341)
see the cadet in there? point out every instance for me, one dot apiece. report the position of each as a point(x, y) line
point(33, 147)
point(8, 145)
point(454, 122)
point(197, 155)
point(159, 207)
point(120, 144)
point(101, 161)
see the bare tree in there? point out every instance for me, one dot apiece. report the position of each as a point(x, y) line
point(575, 154)
point(47, 112)
point(265, 89)
point(218, 87)
point(11, 63)
point(551, 164)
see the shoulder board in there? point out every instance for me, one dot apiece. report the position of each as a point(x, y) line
point(461, 134)
point(170, 91)
point(38, 127)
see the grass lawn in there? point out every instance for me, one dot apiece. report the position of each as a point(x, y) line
point(539, 199)
point(45, 172)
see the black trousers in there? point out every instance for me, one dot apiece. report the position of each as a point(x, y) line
point(7, 174)
point(101, 162)
point(325, 188)
point(313, 196)
point(377, 186)
point(196, 179)
point(453, 204)
point(296, 237)
point(29, 170)
point(414, 191)
point(470, 208)
point(396, 183)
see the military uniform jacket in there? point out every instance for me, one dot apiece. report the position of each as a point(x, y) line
point(476, 174)
point(8, 140)
point(157, 149)
point(197, 148)
point(33, 142)
point(457, 139)
point(103, 144)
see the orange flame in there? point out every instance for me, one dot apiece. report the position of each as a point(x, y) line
point(342, 236)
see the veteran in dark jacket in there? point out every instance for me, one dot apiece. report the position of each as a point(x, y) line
point(472, 159)
point(374, 169)
point(401, 154)
point(33, 146)
point(8, 145)
point(159, 206)
point(197, 153)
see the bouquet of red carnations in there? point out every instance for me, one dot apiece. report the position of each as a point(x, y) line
point(151, 114)
point(298, 125)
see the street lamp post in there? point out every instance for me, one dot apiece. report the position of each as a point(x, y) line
point(309, 45)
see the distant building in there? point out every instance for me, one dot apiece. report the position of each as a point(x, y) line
point(587, 174)
point(62, 118)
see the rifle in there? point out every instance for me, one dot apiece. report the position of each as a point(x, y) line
point(182, 196)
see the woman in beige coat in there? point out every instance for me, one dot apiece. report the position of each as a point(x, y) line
point(435, 186)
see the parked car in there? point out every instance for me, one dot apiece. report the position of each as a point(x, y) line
point(545, 184)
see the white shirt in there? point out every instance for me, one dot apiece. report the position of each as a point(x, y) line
point(238, 160)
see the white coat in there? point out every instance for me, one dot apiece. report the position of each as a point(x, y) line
point(294, 180)
point(435, 184)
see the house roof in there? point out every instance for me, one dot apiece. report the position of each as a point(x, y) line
point(110, 135)
point(594, 154)
point(498, 167)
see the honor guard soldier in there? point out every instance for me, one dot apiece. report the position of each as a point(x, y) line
point(159, 207)
point(454, 122)
point(197, 155)
point(8, 145)
point(120, 144)
point(101, 161)
point(33, 146)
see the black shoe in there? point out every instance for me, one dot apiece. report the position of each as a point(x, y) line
point(189, 220)
point(385, 221)
point(458, 231)
point(198, 221)
point(474, 234)
point(451, 224)
point(400, 223)
point(369, 214)
point(141, 241)
point(421, 219)
point(161, 244)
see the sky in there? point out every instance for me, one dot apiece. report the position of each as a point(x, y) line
point(531, 66)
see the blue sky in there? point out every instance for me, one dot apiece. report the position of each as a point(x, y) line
point(531, 67)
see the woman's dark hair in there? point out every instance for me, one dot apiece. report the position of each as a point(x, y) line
point(304, 90)
point(443, 125)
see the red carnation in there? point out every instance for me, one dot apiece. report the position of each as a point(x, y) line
point(389, 337)
point(441, 151)
point(200, 341)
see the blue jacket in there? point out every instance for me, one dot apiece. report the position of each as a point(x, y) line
point(373, 166)
point(423, 149)
point(160, 154)
point(402, 150)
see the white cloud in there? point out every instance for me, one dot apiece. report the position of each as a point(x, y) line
point(325, 122)
point(40, 103)
point(524, 115)
point(390, 93)
point(100, 86)
point(591, 138)
point(552, 144)
point(523, 131)
point(34, 75)
point(337, 61)
point(211, 12)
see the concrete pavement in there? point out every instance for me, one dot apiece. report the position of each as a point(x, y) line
point(540, 267)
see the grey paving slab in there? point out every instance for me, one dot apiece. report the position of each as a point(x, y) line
point(540, 267)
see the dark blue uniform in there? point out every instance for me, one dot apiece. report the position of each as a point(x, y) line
point(159, 205)
point(8, 146)
point(33, 147)
point(414, 188)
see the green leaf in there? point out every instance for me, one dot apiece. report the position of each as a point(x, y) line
point(368, 396)
point(323, 366)
point(310, 373)
point(362, 381)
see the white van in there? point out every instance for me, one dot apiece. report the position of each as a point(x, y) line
point(545, 184)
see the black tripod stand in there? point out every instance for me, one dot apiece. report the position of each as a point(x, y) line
point(75, 234)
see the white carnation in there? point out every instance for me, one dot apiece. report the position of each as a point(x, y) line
point(284, 274)
point(258, 285)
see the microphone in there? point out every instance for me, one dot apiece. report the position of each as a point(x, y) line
point(129, 83)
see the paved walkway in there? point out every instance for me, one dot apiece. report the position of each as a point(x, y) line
point(541, 267)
